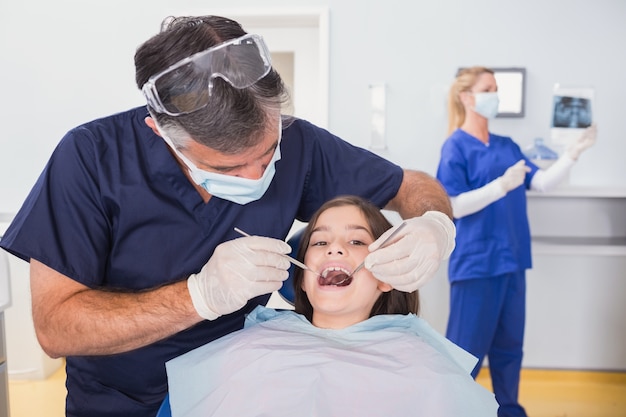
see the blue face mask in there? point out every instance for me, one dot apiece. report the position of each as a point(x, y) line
point(228, 187)
point(486, 104)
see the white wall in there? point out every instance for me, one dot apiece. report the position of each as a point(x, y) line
point(65, 62)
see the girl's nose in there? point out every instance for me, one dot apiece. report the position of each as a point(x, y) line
point(335, 248)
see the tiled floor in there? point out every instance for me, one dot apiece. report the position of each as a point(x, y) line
point(543, 394)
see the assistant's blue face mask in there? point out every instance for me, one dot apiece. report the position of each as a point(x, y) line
point(228, 187)
point(486, 104)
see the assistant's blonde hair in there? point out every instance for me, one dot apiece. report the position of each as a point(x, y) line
point(465, 80)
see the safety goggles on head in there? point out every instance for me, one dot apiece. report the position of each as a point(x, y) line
point(186, 86)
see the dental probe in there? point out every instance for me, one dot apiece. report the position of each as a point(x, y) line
point(382, 245)
point(292, 260)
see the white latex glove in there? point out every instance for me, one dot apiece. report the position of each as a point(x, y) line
point(239, 270)
point(585, 141)
point(514, 176)
point(414, 257)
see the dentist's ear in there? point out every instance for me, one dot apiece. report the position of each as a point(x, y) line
point(152, 125)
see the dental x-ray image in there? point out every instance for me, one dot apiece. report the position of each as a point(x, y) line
point(571, 112)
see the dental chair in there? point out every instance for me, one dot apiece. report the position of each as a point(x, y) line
point(164, 410)
point(286, 291)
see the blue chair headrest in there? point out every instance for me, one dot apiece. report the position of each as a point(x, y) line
point(287, 289)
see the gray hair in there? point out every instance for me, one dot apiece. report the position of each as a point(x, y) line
point(234, 119)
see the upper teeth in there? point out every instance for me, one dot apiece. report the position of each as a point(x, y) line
point(334, 268)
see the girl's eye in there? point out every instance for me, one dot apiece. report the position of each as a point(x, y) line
point(357, 243)
point(318, 243)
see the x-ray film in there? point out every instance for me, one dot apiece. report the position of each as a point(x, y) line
point(571, 113)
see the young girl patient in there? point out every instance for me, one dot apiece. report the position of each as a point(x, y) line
point(352, 347)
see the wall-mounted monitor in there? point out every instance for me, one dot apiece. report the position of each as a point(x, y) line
point(511, 91)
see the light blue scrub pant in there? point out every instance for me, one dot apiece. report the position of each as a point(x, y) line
point(487, 319)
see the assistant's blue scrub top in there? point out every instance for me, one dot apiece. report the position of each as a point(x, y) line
point(496, 239)
point(113, 209)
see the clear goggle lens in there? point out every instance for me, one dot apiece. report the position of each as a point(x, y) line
point(186, 86)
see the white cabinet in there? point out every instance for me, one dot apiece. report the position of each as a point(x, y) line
point(579, 220)
point(576, 290)
point(25, 358)
point(4, 380)
point(5, 302)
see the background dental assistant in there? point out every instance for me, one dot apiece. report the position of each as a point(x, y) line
point(487, 176)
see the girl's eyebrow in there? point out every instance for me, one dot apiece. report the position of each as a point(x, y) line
point(358, 227)
point(319, 229)
point(347, 227)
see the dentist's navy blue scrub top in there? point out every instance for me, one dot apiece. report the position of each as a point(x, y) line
point(496, 239)
point(113, 209)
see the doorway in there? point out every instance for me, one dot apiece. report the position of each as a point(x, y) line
point(298, 42)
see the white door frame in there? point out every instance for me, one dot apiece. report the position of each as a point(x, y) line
point(303, 32)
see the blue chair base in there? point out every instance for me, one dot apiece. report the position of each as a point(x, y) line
point(164, 410)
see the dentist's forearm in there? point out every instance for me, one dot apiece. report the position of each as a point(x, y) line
point(72, 319)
